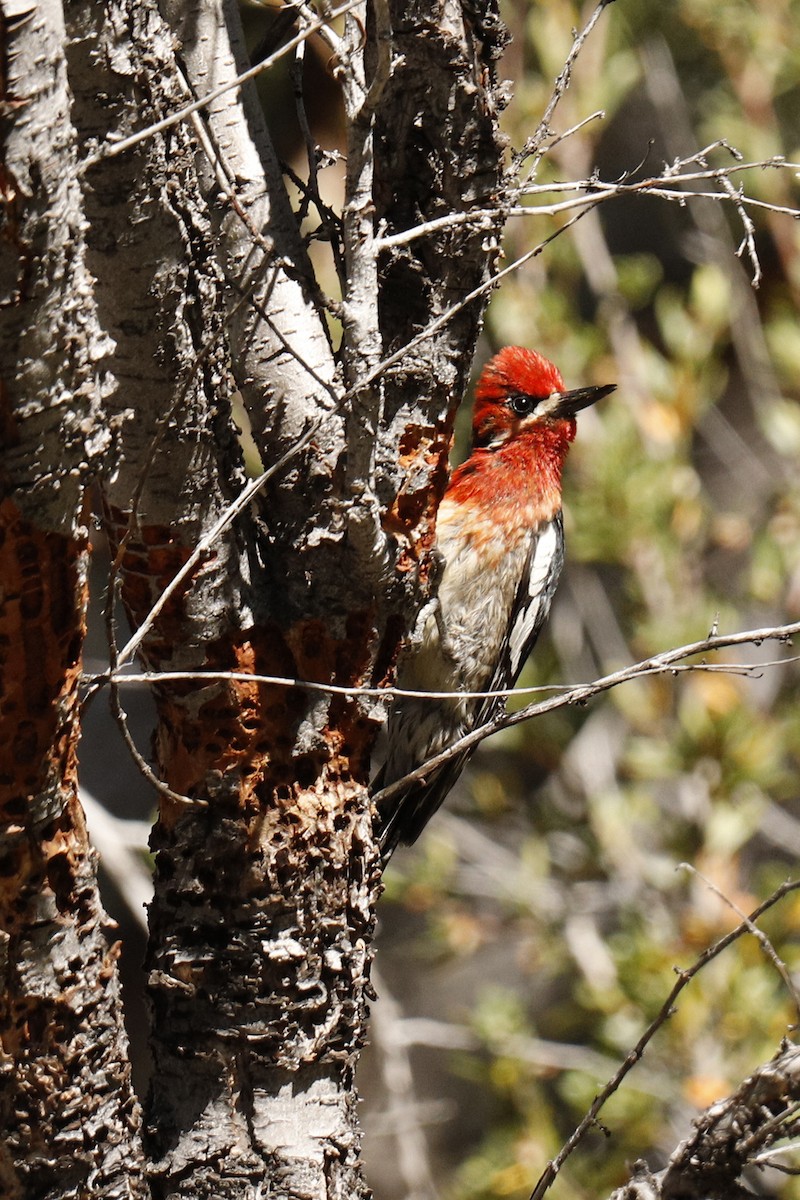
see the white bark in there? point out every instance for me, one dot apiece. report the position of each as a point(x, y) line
point(282, 355)
point(68, 1115)
point(53, 354)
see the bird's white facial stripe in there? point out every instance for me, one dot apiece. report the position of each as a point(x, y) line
point(546, 547)
point(545, 407)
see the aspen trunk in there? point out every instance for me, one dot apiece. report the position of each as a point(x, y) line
point(194, 267)
point(68, 1115)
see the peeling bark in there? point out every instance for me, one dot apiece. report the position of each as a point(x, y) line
point(68, 1115)
point(267, 873)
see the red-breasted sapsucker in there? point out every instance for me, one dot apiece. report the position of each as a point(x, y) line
point(500, 536)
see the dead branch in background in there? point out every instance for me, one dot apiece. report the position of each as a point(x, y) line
point(743, 1131)
point(745, 1114)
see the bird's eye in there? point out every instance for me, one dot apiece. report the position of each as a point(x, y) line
point(522, 405)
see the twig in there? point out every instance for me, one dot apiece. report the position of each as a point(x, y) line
point(666, 662)
point(312, 20)
point(533, 146)
point(548, 1176)
point(743, 670)
point(748, 242)
point(758, 934)
point(121, 719)
point(207, 540)
point(669, 662)
point(595, 190)
point(311, 192)
point(112, 149)
point(475, 294)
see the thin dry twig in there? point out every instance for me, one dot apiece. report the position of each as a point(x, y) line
point(742, 670)
point(163, 789)
point(319, 25)
point(591, 191)
point(548, 1176)
point(667, 662)
point(206, 542)
point(758, 934)
point(534, 145)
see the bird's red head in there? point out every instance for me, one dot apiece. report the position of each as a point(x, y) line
point(519, 391)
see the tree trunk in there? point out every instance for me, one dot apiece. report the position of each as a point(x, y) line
point(68, 1114)
point(267, 872)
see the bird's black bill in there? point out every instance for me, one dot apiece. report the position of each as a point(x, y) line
point(570, 403)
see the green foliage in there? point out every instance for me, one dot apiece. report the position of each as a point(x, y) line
point(562, 924)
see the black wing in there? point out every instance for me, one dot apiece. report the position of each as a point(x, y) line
point(529, 611)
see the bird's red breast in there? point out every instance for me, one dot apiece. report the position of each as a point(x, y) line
point(512, 479)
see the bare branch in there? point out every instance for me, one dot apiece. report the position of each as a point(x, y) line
point(669, 662)
point(593, 191)
point(163, 789)
point(737, 198)
point(318, 25)
point(665, 663)
point(744, 670)
point(758, 934)
point(667, 1009)
point(206, 541)
point(535, 143)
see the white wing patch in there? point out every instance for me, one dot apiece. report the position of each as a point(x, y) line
point(546, 548)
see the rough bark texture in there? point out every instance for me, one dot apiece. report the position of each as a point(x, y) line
point(438, 151)
point(281, 352)
point(253, 1079)
point(266, 888)
point(267, 874)
point(68, 1116)
point(67, 1112)
point(158, 285)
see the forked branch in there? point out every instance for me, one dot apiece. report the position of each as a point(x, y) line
point(730, 1133)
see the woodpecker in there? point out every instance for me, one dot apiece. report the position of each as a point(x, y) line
point(499, 533)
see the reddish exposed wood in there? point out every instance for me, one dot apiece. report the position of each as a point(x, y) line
point(41, 635)
point(66, 1102)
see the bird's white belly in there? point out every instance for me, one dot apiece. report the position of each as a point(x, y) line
point(476, 593)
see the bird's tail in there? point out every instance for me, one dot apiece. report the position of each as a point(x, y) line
point(403, 816)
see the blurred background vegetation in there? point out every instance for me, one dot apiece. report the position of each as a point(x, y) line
point(531, 935)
